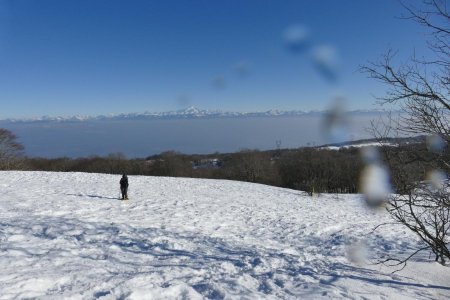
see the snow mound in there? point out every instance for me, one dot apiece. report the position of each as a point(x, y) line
point(66, 235)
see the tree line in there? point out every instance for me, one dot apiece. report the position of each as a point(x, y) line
point(310, 169)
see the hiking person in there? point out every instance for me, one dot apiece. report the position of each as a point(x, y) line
point(124, 187)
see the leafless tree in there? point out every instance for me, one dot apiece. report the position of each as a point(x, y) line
point(425, 212)
point(421, 89)
point(10, 150)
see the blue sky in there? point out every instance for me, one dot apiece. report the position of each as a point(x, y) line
point(94, 57)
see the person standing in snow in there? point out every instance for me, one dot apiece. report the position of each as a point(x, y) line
point(124, 187)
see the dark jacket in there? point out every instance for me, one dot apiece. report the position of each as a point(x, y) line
point(124, 182)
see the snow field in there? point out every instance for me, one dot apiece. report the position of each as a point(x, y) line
point(66, 235)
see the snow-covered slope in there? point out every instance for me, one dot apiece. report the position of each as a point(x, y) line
point(66, 235)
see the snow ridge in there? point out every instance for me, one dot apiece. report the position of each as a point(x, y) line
point(188, 113)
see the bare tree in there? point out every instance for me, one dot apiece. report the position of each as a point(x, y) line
point(10, 150)
point(251, 165)
point(424, 211)
point(421, 89)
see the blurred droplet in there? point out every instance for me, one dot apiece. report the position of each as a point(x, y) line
point(370, 155)
point(437, 179)
point(296, 38)
point(335, 123)
point(219, 83)
point(183, 101)
point(326, 61)
point(242, 68)
point(435, 143)
point(357, 252)
point(375, 185)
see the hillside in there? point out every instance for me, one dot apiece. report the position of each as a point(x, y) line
point(67, 235)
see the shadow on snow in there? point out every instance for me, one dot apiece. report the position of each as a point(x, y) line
point(127, 251)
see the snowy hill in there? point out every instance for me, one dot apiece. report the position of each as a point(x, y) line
point(66, 235)
point(387, 142)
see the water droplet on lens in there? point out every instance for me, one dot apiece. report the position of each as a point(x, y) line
point(437, 179)
point(435, 143)
point(219, 83)
point(375, 185)
point(335, 123)
point(242, 69)
point(183, 101)
point(357, 252)
point(297, 38)
point(370, 155)
point(326, 61)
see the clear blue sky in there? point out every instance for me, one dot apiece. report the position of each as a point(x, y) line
point(94, 57)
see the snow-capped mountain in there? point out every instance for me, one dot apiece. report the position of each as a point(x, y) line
point(188, 113)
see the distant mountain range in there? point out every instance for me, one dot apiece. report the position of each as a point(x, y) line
point(188, 113)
